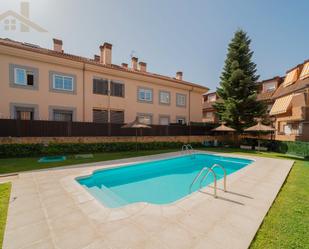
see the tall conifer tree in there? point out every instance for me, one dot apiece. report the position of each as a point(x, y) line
point(238, 85)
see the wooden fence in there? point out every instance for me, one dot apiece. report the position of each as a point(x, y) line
point(39, 128)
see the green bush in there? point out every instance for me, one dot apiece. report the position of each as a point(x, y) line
point(29, 150)
point(287, 147)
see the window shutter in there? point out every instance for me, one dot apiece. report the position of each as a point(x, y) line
point(100, 116)
point(117, 117)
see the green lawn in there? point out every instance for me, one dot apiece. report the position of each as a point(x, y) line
point(5, 189)
point(286, 225)
point(24, 164)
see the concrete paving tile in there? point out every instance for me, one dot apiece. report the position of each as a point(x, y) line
point(25, 236)
point(172, 212)
point(25, 218)
point(175, 236)
point(130, 236)
point(151, 243)
point(150, 223)
point(24, 204)
point(196, 224)
point(89, 207)
point(54, 210)
point(76, 238)
point(98, 244)
point(67, 222)
point(43, 244)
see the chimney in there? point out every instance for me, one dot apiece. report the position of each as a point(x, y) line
point(24, 9)
point(142, 66)
point(124, 65)
point(134, 63)
point(97, 58)
point(58, 45)
point(179, 75)
point(106, 53)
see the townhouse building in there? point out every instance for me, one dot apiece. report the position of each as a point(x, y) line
point(209, 112)
point(49, 84)
point(266, 90)
point(291, 105)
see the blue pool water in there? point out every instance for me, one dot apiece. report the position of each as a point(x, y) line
point(157, 182)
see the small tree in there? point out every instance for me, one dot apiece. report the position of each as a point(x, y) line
point(238, 86)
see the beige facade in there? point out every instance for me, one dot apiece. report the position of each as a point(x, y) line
point(290, 110)
point(136, 92)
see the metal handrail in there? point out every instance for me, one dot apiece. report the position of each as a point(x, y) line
point(196, 177)
point(224, 171)
point(184, 148)
point(189, 146)
point(215, 180)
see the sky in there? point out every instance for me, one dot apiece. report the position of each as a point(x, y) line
point(173, 35)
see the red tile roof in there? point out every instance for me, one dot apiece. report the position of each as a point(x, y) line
point(38, 49)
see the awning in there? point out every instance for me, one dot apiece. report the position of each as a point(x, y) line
point(305, 72)
point(281, 105)
point(290, 78)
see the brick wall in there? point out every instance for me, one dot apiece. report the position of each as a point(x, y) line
point(144, 139)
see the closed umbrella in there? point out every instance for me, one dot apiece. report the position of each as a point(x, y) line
point(136, 124)
point(259, 127)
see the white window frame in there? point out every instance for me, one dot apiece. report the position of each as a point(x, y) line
point(15, 76)
point(143, 115)
point(209, 114)
point(212, 98)
point(180, 96)
point(269, 87)
point(169, 97)
point(161, 117)
point(63, 77)
point(145, 90)
point(181, 118)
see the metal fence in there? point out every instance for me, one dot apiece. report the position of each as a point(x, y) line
point(39, 128)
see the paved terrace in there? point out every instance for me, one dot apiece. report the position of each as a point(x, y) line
point(49, 209)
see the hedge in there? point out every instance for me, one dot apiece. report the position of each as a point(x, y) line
point(31, 150)
point(287, 147)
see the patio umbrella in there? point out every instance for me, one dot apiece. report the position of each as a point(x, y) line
point(136, 124)
point(223, 128)
point(259, 127)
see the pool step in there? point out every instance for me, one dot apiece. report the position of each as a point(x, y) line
point(106, 196)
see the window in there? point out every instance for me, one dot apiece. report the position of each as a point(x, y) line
point(212, 98)
point(145, 118)
point(117, 117)
point(24, 113)
point(208, 114)
point(117, 89)
point(23, 77)
point(180, 100)
point(62, 115)
point(164, 97)
point(99, 116)
point(145, 94)
point(164, 120)
point(100, 86)
point(269, 87)
point(64, 83)
point(287, 129)
point(180, 120)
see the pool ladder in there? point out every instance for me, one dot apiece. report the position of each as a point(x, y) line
point(187, 148)
point(208, 171)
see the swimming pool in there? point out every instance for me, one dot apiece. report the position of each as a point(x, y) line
point(157, 182)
